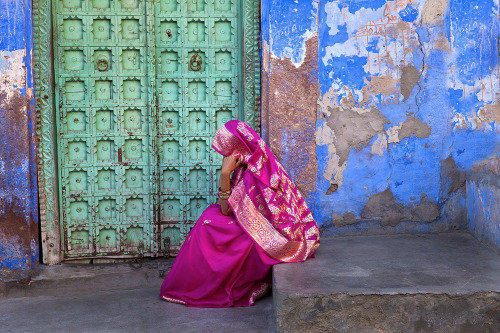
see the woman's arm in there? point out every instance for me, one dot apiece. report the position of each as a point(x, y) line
point(229, 163)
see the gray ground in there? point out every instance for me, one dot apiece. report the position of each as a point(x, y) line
point(137, 310)
point(423, 283)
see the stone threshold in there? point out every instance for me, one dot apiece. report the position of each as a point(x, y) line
point(446, 282)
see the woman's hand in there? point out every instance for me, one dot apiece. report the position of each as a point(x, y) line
point(229, 163)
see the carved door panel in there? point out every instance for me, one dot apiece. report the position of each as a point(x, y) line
point(141, 88)
point(197, 64)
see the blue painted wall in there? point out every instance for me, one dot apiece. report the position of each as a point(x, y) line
point(483, 209)
point(18, 191)
point(407, 104)
point(379, 110)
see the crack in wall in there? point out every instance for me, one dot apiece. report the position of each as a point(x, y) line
point(421, 45)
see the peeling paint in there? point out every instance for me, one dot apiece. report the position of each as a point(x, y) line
point(414, 126)
point(379, 146)
point(409, 79)
point(343, 220)
point(434, 11)
point(483, 211)
point(291, 135)
point(18, 192)
point(384, 205)
point(408, 104)
point(353, 130)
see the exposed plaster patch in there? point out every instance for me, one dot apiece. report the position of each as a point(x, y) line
point(380, 145)
point(329, 99)
point(353, 130)
point(343, 220)
point(266, 56)
point(490, 113)
point(325, 136)
point(409, 78)
point(487, 118)
point(352, 124)
point(434, 11)
point(385, 85)
point(384, 205)
point(393, 134)
point(459, 122)
point(411, 126)
point(291, 113)
point(332, 189)
point(441, 43)
point(13, 72)
point(492, 165)
point(414, 126)
point(455, 177)
point(18, 227)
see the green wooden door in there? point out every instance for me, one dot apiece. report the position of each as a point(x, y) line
point(141, 88)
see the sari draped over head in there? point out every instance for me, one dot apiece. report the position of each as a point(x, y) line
point(265, 201)
point(226, 260)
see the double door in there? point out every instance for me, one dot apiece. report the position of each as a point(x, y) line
point(141, 88)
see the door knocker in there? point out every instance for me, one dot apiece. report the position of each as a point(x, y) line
point(102, 65)
point(195, 62)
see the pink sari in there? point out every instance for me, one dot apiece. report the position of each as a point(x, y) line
point(226, 260)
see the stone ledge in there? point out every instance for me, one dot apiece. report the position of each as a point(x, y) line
point(478, 312)
point(395, 283)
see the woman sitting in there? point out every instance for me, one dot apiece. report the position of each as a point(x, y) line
point(261, 220)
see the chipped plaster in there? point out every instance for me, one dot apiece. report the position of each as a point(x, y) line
point(393, 84)
point(18, 191)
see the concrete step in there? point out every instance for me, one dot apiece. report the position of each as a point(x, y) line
point(85, 279)
point(397, 283)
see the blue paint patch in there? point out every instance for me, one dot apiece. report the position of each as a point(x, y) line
point(468, 147)
point(409, 14)
point(373, 45)
point(13, 256)
point(483, 213)
point(373, 227)
point(415, 170)
point(365, 175)
point(348, 70)
point(12, 25)
point(339, 37)
point(474, 26)
point(18, 182)
point(291, 24)
point(355, 5)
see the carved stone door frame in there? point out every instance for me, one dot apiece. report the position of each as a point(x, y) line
point(45, 112)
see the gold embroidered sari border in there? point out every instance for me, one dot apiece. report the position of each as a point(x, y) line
point(263, 232)
point(173, 300)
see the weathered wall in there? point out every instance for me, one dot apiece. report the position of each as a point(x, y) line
point(483, 205)
point(290, 86)
point(475, 138)
point(407, 103)
point(18, 203)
